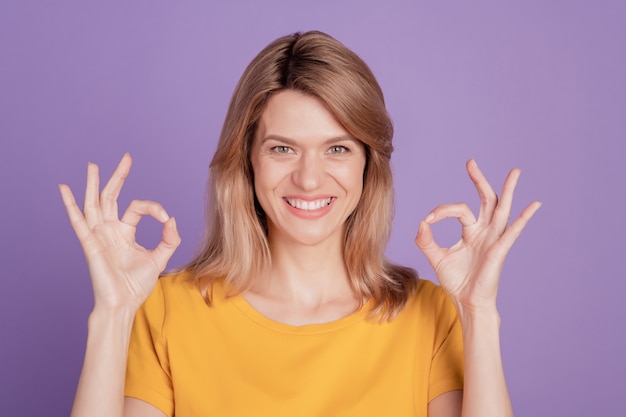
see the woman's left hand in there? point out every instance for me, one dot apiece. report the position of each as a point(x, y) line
point(470, 269)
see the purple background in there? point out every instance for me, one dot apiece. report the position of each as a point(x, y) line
point(539, 85)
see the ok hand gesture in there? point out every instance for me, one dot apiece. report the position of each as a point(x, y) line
point(470, 269)
point(123, 273)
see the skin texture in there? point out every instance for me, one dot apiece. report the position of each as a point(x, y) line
point(469, 271)
point(122, 275)
point(300, 152)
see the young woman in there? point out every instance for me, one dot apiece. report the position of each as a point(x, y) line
point(291, 307)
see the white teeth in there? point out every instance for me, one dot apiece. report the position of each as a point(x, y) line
point(308, 205)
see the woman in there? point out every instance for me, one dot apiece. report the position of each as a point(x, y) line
point(291, 307)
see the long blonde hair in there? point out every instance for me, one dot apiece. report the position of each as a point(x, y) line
point(235, 247)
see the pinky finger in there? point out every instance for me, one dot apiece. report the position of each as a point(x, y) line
point(515, 229)
point(77, 220)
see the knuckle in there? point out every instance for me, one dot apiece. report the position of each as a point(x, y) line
point(491, 198)
point(501, 209)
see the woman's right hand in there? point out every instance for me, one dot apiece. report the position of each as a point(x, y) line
point(123, 273)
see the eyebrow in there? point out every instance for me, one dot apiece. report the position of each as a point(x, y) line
point(290, 141)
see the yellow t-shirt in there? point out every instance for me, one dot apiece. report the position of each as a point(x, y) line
point(192, 360)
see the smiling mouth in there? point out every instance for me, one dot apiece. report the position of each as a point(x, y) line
point(309, 205)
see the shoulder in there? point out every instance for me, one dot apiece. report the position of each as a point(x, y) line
point(173, 292)
point(178, 281)
point(187, 284)
point(426, 288)
point(431, 305)
point(431, 296)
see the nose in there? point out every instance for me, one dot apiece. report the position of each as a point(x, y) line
point(309, 174)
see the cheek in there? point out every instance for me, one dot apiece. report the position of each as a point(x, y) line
point(257, 182)
point(352, 176)
point(267, 177)
point(260, 193)
point(262, 176)
point(359, 179)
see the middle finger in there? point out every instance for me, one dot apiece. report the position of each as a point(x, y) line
point(111, 191)
point(91, 205)
point(502, 212)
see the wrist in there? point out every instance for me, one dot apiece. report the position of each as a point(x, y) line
point(481, 315)
point(116, 317)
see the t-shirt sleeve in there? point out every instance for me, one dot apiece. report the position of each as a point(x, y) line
point(148, 375)
point(446, 372)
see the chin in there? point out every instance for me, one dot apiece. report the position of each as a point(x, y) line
point(308, 237)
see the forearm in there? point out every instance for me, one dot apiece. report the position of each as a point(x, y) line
point(485, 393)
point(100, 389)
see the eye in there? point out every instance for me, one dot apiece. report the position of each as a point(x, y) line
point(338, 149)
point(282, 149)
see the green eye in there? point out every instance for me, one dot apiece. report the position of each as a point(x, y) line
point(281, 149)
point(338, 149)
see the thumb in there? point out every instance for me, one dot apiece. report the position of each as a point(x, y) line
point(425, 241)
point(170, 240)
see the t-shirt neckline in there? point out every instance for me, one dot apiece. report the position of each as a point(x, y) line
point(253, 314)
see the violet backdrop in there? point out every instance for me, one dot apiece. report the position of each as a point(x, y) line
point(535, 84)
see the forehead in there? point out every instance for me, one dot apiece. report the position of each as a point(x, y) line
point(295, 115)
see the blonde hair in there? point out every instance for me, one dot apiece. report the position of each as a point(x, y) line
point(235, 247)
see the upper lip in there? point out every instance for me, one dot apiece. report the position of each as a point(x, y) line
point(309, 197)
point(310, 202)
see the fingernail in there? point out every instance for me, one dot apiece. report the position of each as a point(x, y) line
point(474, 163)
point(430, 217)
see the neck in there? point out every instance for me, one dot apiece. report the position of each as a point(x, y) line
point(310, 275)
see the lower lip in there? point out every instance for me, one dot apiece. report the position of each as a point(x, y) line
point(309, 214)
